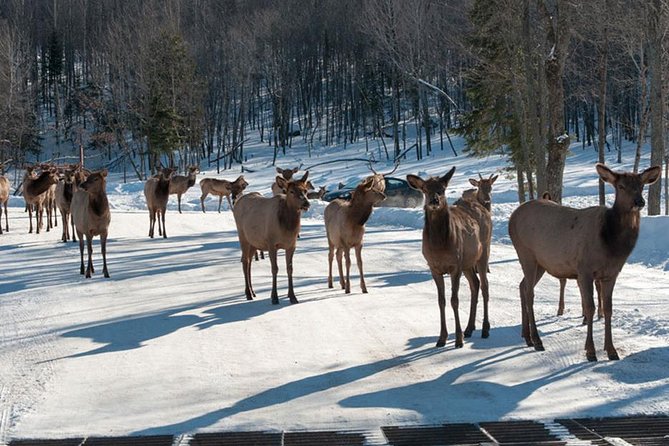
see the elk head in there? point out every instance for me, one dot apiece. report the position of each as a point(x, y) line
point(434, 188)
point(296, 191)
point(287, 173)
point(484, 189)
point(629, 186)
point(95, 181)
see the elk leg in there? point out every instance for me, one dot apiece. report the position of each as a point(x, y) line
point(289, 271)
point(341, 268)
point(474, 285)
point(160, 226)
point(89, 248)
point(39, 217)
point(533, 273)
point(74, 229)
point(347, 256)
point(246, 269)
point(586, 288)
point(1, 219)
point(162, 216)
point(151, 223)
point(600, 306)
point(485, 291)
point(48, 217)
point(103, 248)
point(179, 202)
point(202, 197)
point(80, 235)
point(358, 259)
point(563, 284)
point(30, 218)
point(229, 201)
point(331, 250)
point(275, 270)
point(6, 218)
point(455, 287)
point(64, 237)
point(220, 200)
point(606, 288)
point(441, 299)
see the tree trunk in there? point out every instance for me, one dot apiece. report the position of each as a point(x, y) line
point(656, 104)
point(601, 118)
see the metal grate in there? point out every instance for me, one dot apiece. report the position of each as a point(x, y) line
point(447, 435)
point(237, 439)
point(520, 433)
point(156, 440)
point(66, 442)
point(639, 430)
point(325, 438)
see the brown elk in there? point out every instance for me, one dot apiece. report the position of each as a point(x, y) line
point(4, 199)
point(588, 245)
point(451, 245)
point(345, 227)
point(479, 209)
point(287, 174)
point(317, 195)
point(157, 192)
point(91, 215)
point(64, 193)
point(180, 184)
point(270, 224)
point(35, 194)
point(222, 188)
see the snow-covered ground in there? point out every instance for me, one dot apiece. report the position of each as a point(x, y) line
point(170, 345)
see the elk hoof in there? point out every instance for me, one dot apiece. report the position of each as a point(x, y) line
point(592, 357)
point(459, 344)
point(539, 347)
point(364, 291)
point(330, 285)
point(486, 330)
point(614, 356)
point(106, 274)
point(468, 332)
point(347, 291)
point(293, 300)
point(440, 343)
point(275, 301)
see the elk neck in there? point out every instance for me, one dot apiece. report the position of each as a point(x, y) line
point(437, 228)
point(97, 200)
point(40, 184)
point(620, 231)
point(289, 217)
point(359, 209)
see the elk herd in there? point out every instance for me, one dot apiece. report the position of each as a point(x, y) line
point(590, 245)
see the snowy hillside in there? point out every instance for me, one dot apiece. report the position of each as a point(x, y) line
point(170, 345)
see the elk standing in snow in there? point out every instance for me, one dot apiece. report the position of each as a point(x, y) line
point(270, 224)
point(35, 193)
point(180, 184)
point(64, 193)
point(222, 188)
point(287, 175)
point(588, 245)
point(345, 227)
point(91, 215)
point(157, 192)
point(451, 245)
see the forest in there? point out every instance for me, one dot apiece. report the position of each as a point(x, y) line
point(145, 83)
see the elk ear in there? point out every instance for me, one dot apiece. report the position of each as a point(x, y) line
point(606, 174)
point(446, 178)
point(416, 182)
point(304, 178)
point(296, 169)
point(473, 182)
point(651, 175)
point(104, 173)
point(310, 185)
point(493, 179)
point(279, 170)
point(281, 182)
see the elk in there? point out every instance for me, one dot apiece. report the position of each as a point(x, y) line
point(588, 245)
point(479, 209)
point(451, 245)
point(35, 194)
point(4, 199)
point(270, 224)
point(317, 195)
point(180, 184)
point(91, 215)
point(287, 174)
point(222, 188)
point(64, 192)
point(345, 227)
point(157, 192)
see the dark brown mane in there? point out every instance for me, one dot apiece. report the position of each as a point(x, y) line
point(619, 238)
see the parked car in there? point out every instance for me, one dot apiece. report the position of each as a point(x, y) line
point(398, 193)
